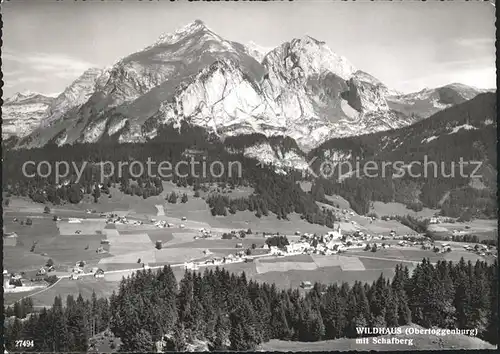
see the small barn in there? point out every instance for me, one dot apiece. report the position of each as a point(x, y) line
point(10, 239)
point(306, 284)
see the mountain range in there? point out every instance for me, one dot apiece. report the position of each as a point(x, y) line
point(300, 89)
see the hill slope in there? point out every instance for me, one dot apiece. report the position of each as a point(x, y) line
point(426, 102)
point(466, 132)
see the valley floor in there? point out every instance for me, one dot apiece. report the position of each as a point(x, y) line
point(131, 246)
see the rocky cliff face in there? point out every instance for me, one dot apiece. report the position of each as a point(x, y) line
point(23, 112)
point(301, 89)
point(76, 94)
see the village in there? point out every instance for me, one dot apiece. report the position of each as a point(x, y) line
point(332, 242)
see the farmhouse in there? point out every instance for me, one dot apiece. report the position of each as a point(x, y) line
point(77, 270)
point(190, 266)
point(99, 273)
point(274, 250)
point(306, 284)
point(161, 224)
point(10, 239)
point(6, 280)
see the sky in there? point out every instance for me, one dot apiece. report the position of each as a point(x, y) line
point(407, 45)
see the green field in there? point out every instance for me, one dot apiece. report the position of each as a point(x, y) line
point(70, 249)
point(84, 286)
point(371, 263)
point(400, 253)
point(325, 275)
point(16, 259)
point(11, 298)
point(294, 258)
point(388, 209)
point(483, 229)
point(219, 243)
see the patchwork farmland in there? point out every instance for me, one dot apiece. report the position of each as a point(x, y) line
point(128, 247)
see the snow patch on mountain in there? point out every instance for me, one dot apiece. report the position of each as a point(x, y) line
point(429, 139)
point(256, 51)
point(488, 122)
point(463, 126)
point(185, 31)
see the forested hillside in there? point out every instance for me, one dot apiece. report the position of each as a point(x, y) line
point(230, 312)
point(466, 132)
point(274, 192)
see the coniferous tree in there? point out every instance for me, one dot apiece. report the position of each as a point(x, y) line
point(140, 342)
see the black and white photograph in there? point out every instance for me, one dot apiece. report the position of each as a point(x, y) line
point(263, 176)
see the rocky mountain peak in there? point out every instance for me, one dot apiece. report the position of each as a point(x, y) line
point(20, 97)
point(304, 57)
point(300, 89)
point(182, 32)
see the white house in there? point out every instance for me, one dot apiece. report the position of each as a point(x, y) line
point(74, 221)
point(333, 244)
point(274, 250)
point(342, 248)
point(296, 247)
point(320, 248)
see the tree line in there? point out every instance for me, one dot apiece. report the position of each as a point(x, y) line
point(229, 311)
